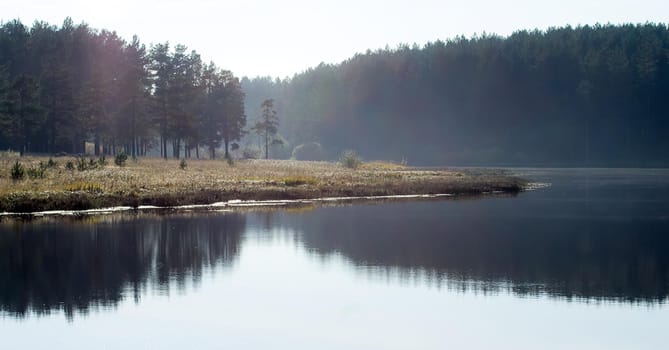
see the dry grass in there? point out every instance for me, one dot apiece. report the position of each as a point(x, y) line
point(162, 182)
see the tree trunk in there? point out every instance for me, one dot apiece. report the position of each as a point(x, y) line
point(176, 148)
point(96, 141)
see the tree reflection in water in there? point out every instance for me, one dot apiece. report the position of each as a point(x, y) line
point(94, 262)
point(473, 246)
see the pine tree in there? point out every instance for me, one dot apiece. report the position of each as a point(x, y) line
point(161, 69)
point(135, 97)
point(224, 117)
point(234, 119)
point(268, 124)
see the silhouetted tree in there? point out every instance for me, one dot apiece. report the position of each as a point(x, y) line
point(268, 124)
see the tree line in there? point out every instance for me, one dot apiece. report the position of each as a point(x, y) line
point(585, 96)
point(570, 96)
point(61, 87)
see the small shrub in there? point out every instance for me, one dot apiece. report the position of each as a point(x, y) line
point(69, 165)
point(102, 161)
point(120, 159)
point(92, 164)
point(183, 164)
point(17, 171)
point(350, 159)
point(81, 163)
point(51, 163)
point(231, 162)
point(38, 172)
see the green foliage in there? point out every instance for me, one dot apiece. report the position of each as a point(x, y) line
point(17, 171)
point(37, 172)
point(83, 164)
point(120, 159)
point(51, 163)
point(350, 159)
point(69, 165)
point(268, 125)
point(223, 118)
point(102, 161)
point(183, 164)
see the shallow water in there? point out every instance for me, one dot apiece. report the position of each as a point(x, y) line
point(583, 263)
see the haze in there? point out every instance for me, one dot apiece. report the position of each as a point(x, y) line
point(281, 38)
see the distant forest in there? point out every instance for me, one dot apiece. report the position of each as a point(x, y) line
point(585, 96)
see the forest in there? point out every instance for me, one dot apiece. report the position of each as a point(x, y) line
point(569, 96)
point(61, 87)
point(584, 96)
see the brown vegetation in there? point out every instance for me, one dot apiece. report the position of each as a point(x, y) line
point(162, 183)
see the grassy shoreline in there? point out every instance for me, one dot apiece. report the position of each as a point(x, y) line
point(163, 183)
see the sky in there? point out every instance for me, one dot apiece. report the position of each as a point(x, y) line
point(282, 38)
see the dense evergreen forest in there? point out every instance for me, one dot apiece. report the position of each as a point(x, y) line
point(61, 87)
point(585, 96)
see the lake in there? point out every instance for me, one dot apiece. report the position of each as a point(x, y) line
point(580, 264)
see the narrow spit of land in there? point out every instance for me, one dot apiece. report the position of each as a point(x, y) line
point(168, 183)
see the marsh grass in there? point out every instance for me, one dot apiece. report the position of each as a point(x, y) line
point(152, 181)
point(92, 187)
point(299, 180)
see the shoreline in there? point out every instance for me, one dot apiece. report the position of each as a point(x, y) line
point(161, 184)
point(229, 205)
point(237, 204)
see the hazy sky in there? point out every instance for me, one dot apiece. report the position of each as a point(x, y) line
point(280, 38)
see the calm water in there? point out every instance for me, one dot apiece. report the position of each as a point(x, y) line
point(583, 263)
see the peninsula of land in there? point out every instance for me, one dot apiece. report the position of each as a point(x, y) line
point(67, 183)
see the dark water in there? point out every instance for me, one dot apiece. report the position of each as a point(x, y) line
point(583, 263)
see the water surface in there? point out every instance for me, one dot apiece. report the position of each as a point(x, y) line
point(583, 263)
